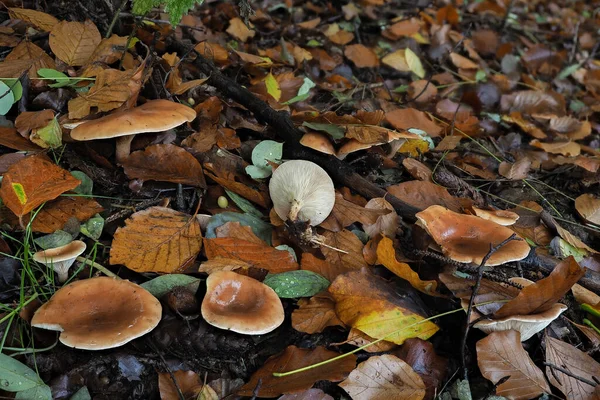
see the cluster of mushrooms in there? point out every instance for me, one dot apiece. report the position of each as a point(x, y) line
point(302, 193)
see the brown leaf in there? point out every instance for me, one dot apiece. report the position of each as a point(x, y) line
point(359, 339)
point(417, 169)
point(188, 382)
point(348, 242)
point(310, 394)
point(222, 264)
point(422, 91)
point(405, 27)
point(534, 102)
point(421, 356)
point(424, 194)
point(239, 30)
point(578, 363)
point(564, 148)
point(55, 214)
point(213, 51)
point(185, 86)
point(236, 230)
point(346, 213)
point(157, 239)
point(372, 305)
point(406, 118)
point(528, 127)
point(40, 20)
point(109, 50)
point(448, 143)
point(10, 138)
point(74, 42)
point(323, 267)
point(166, 163)
point(501, 355)
point(385, 224)
point(25, 57)
point(315, 314)
point(588, 207)
point(382, 378)
point(462, 62)
point(540, 296)
point(30, 120)
point(256, 255)
point(518, 170)
point(361, 56)
point(293, 358)
point(33, 181)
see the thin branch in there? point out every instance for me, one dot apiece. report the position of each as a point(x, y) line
point(572, 375)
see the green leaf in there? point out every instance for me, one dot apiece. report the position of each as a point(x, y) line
point(20, 192)
point(335, 131)
point(7, 98)
point(92, 228)
point(52, 74)
point(82, 394)
point(565, 73)
point(15, 85)
point(258, 172)
point(49, 136)
point(288, 249)
point(259, 227)
point(55, 239)
point(480, 76)
point(40, 392)
point(303, 92)
point(165, 283)
point(175, 8)
point(267, 150)
point(244, 204)
point(86, 186)
point(294, 284)
point(414, 63)
point(313, 43)
point(16, 376)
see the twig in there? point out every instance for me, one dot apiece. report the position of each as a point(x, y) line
point(99, 267)
point(493, 249)
point(572, 375)
point(115, 18)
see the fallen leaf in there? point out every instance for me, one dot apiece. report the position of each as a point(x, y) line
point(157, 239)
point(30, 120)
point(233, 229)
point(213, 51)
point(534, 102)
point(315, 314)
point(10, 138)
point(382, 378)
point(421, 357)
point(565, 148)
point(417, 169)
point(501, 355)
point(256, 255)
point(361, 56)
point(25, 57)
point(310, 394)
point(423, 194)
point(528, 127)
point(518, 170)
point(578, 363)
point(166, 163)
point(588, 207)
point(188, 382)
point(109, 50)
point(185, 86)
point(372, 305)
point(386, 255)
point(40, 20)
point(294, 358)
point(324, 267)
point(462, 62)
point(74, 42)
point(385, 224)
point(31, 182)
point(346, 213)
point(348, 242)
point(55, 214)
point(397, 60)
point(543, 294)
point(359, 339)
point(238, 29)
point(407, 118)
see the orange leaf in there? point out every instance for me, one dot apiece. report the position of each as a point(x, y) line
point(348, 242)
point(257, 255)
point(588, 207)
point(361, 56)
point(10, 138)
point(74, 42)
point(564, 148)
point(324, 267)
point(30, 120)
point(157, 239)
point(386, 255)
point(293, 358)
point(406, 118)
point(33, 181)
point(424, 194)
point(25, 57)
point(315, 314)
point(166, 163)
point(40, 20)
point(54, 215)
point(540, 296)
point(236, 230)
point(109, 50)
point(188, 382)
point(421, 356)
point(501, 355)
point(239, 30)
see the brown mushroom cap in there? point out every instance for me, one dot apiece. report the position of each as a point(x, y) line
point(153, 116)
point(99, 313)
point(241, 304)
point(60, 258)
point(467, 238)
point(501, 217)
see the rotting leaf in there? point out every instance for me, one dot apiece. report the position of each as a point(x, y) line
point(157, 239)
point(31, 182)
point(293, 358)
point(421, 356)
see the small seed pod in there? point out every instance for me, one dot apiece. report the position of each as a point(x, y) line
point(302, 191)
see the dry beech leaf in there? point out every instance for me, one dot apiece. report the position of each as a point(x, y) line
point(157, 239)
point(534, 102)
point(213, 51)
point(256, 255)
point(325, 268)
point(543, 294)
point(518, 170)
point(421, 356)
point(569, 149)
point(55, 214)
point(222, 264)
point(572, 239)
point(424, 194)
point(31, 182)
point(40, 20)
point(588, 207)
point(238, 29)
point(74, 42)
point(583, 295)
point(293, 358)
point(30, 120)
point(348, 242)
point(358, 338)
point(462, 62)
point(188, 382)
point(310, 394)
point(165, 163)
point(577, 363)
point(25, 57)
point(346, 213)
point(10, 138)
point(406, 118)
point(236, 230)
point(315, 314)
point(528, 127)
point(185, 86)
point(386, 256)
point(109, 50)
point(361, 56)
point(372, 305)
point(501, 355)
point(382, 378)
point(417, 169)
point(422, 91)
point(385, 224)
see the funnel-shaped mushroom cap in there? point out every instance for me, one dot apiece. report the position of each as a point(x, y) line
point(302, 191)
point(467, 238)
point(241, 304)
point(61, 258)
point(501, 217)
point(99, 313)
point(153, 116)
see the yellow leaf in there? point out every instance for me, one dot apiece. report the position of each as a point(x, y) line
point(414, 63)
point(396, 60)
point(414, 147)
point(386, 255)
point(273, 86)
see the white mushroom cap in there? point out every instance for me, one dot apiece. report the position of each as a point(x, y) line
point(302, 191)
point(61, 258)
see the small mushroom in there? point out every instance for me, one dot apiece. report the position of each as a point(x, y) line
point(61, 258)
point(467, 238)
point(153, 116)
point(302, 191)
point(501, 217)
point(241, 304)
point(99, 313)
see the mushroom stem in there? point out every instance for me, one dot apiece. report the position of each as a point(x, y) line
point(295, 208)
point(62, 274)
point(123, 148)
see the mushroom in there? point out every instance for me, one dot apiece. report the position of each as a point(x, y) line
point(241, 304)
point(99, 313)
point(501, 217)
point(302, 191)
point(467, 238)
point(153, 116)
point(61, 258)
